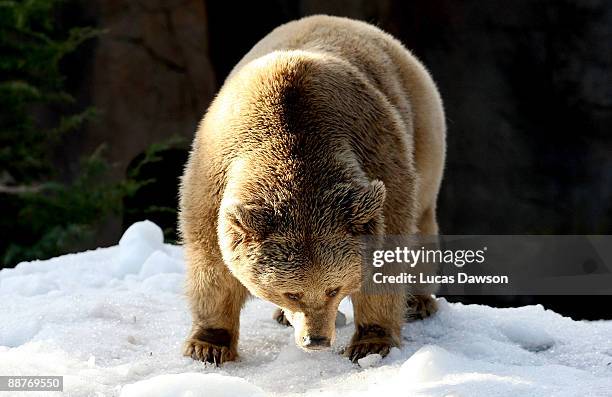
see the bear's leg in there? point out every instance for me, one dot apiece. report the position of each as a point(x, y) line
point(378, 322)
point(419, 307)
point(216, 298)
point(428, 225)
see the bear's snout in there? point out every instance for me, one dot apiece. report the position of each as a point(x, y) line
point(313, 331)
point(316, 342)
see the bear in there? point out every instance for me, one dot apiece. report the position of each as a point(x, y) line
point(327, 130)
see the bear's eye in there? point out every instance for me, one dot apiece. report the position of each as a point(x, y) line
point(293, 297)
point(333, 292)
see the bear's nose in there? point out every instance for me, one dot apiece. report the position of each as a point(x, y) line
point(315, 342)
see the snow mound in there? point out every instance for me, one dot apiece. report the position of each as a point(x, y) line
point(136, 246)
point(534, 338)
point(439, 372)
point(192, 384)
point(159, 262)
point(112, 322)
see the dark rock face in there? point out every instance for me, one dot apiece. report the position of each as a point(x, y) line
point(528, 95)
point(152, 76)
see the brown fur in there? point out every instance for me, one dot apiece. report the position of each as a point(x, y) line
point(328, 129)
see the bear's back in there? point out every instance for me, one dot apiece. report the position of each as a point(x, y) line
point(389, 67)
point(337, 91)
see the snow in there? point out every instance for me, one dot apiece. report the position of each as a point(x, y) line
point(139, 242)
point(112, 322)
point(191, 384)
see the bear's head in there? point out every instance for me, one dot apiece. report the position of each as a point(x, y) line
point(303, 253)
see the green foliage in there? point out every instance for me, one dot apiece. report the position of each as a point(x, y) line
point(44, 215)
point(62, 215)
point(32, 47)
point(152, 154)
point(147, 202)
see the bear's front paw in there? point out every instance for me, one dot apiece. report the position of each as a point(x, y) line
point(207, 352)
point(211, 346)
point(369, 339)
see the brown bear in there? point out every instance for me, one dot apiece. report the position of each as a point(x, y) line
point(327, 130)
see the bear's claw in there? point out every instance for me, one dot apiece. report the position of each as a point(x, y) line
point(363, 348)
point(211, 345)
point(369, 339)
point(207, 352)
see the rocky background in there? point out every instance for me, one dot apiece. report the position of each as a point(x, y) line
point(527, 87)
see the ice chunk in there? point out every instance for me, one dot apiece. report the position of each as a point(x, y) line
point(394, 354)
point(192, 384)
point(370, 360)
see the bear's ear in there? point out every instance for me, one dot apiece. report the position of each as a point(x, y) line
point(366, 211)
point(247, 221)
